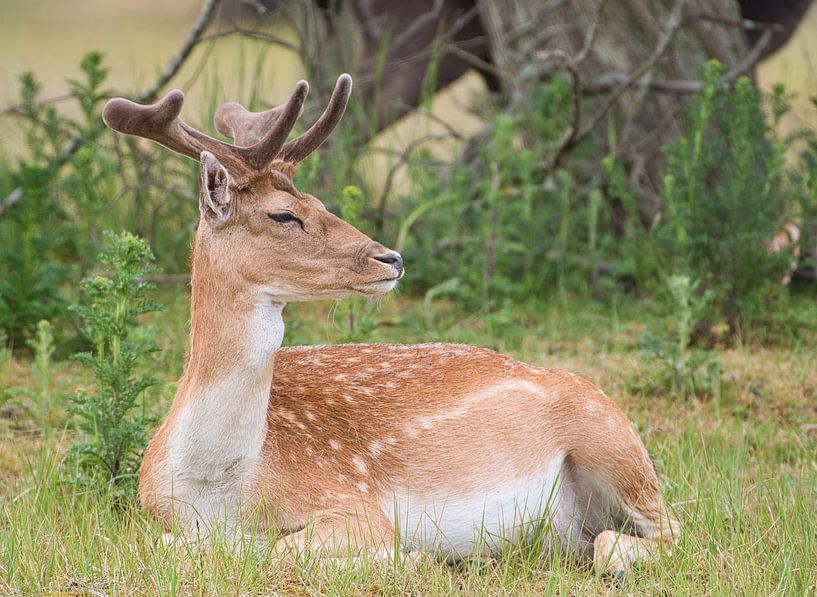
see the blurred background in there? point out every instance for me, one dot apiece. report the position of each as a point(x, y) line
point(516, 151)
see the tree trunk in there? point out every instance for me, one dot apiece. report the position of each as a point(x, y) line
point(512, 43)
point(530, 39)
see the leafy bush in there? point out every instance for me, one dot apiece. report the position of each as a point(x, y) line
point(71, 184)
point(499, 228)
point(38, 237)
point(112, 418)
point(726, 194)
point(684, 371)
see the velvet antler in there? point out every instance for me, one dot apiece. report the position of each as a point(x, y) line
point(246, 128)
point(161, 123)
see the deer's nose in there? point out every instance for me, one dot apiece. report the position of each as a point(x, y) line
point(393, 259)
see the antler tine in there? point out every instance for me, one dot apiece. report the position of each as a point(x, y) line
point(282, 119)
point(247, 128)
point(242, 126)
point(161, 123)
point(299, 148)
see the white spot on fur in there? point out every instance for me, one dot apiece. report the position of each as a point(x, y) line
point(375, 447)
point(334, 444)
point(363, 486)
point(360, 465)
point(311, 416)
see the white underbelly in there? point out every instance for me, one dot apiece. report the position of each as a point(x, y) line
point(502, 511)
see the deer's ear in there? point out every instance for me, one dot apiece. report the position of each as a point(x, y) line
point(216, 203)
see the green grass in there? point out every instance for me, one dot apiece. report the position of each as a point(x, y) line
point(740, 472)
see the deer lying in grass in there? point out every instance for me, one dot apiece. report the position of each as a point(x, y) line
point(340, 448)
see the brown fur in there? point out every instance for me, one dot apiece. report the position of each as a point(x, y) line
point(371, 392)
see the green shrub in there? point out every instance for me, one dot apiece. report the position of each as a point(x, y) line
point(684, 371)
point(39, 235)
point(499, 228)
point(73, 182)
point(112, 419)
point(726, 194)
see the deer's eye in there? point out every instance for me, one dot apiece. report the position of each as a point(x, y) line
point(284, 217)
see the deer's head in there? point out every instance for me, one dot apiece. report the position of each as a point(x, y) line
point(254, 222)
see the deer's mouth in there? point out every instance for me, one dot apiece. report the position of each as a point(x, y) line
point(379, 287)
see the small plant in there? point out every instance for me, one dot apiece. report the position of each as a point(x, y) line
point(112, 419)
point(43, 348)
point(5, 353)
point(683, 370)
point(359, 314)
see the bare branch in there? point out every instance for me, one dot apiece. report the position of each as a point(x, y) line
point(402, 159)
point(590, 36)
point(473, 59)
point(681, 86)
point(11, 200)
point(673, 25)
point(572, 63)
point(452, 132)
point(208, 11)
point(252, 34)
point(746, 24)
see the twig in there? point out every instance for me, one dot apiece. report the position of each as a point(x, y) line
point(168, 278)
point(208, 10)
point(682, 86)
point(252, 34)
point(401, 159)
point(568, 138)
point(673, 25)
point(590, 37)
point(747, 24)
point(17, 109)
point(445, 37)
point(11, 200)
point(490, 242)
point(572, 63)
point(608, 81)
point(473, 59)
point(416, 25)
point(433, 117)
point(751, 59)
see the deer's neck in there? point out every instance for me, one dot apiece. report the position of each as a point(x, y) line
point(219, 415)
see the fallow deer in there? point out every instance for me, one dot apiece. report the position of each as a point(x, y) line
point(347, 449)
